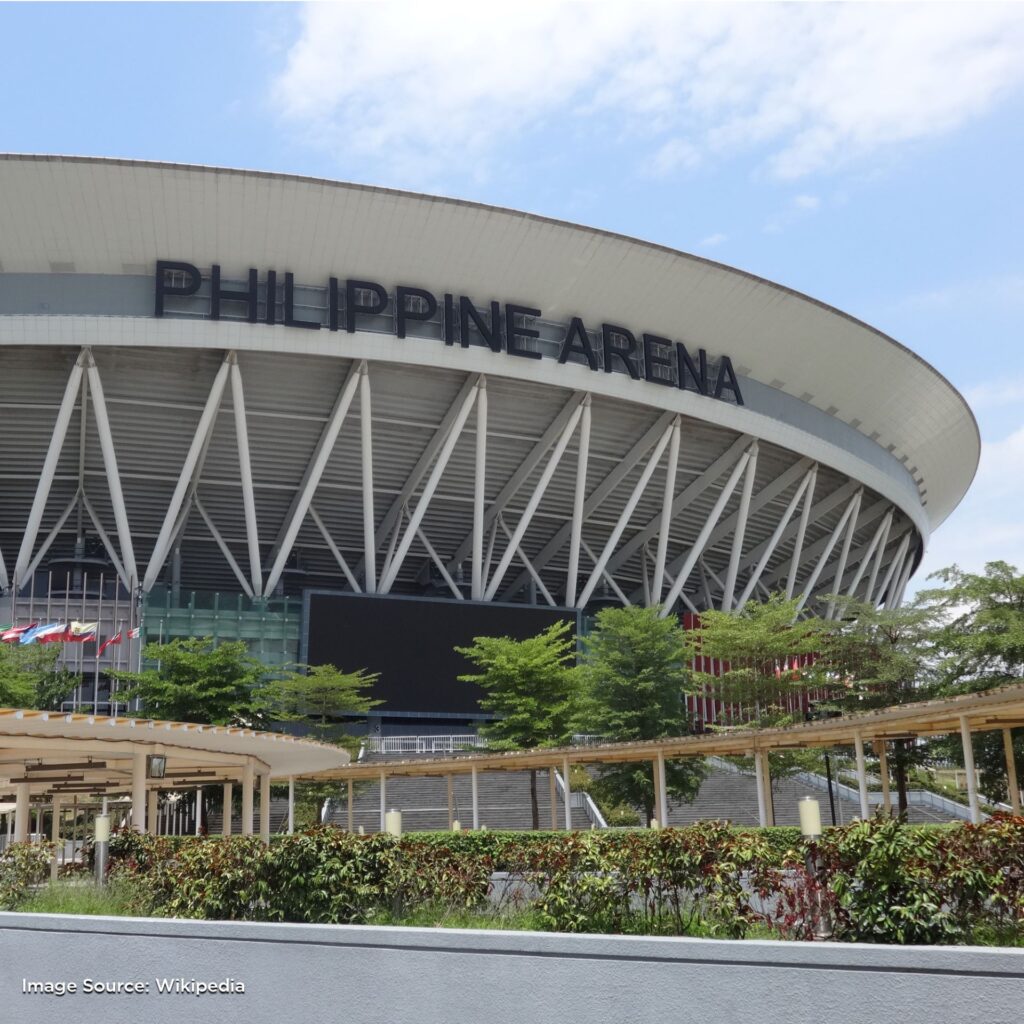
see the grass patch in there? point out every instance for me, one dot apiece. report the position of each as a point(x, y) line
point(119, 899)
point(464, 917)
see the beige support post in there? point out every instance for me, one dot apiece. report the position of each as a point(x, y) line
point(553, 796)
point(883, 773)
point(383, 802)
point(152, 798)
point(55, 838)
point(476, 797)
point(451, 801)
point(1011, 772)
point(662, 791)
point(972, 781)
point(351, 807)
point(21, 812)
point(862, 776)
point(247, 797)
point(227, 800)
point(265, 808)
point(657, 794)
point(568, 794)
point(762, 811)
point(139, 791)
point(766, 788)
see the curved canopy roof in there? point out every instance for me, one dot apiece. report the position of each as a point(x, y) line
point(85, 215)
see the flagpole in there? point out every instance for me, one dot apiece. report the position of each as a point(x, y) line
point(67, 617)
point(81, 653)
point(96, 673)
point(49, 592)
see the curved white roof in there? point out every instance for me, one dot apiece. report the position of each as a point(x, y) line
point(64, 214)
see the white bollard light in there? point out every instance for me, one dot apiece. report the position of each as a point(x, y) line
point(810, 817)
point(393, 822)
point(456, 825)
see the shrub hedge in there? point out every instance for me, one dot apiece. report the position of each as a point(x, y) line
point(878, 880)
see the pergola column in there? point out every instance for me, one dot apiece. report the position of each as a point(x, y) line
point(451, 800)
point(227, 800)
point(553, 798)
point(862, 776)
point(476, 797)
point(567, 793)
point(763, 775)
point(883, 772)
point(972, 782)
point(1011, 772)
point(383, 801)
point(247, 797)
point(139, 791)
point(291, 805)
point(265, 808)
point(351, 808)
point(21, 812)
point(762, 813)
point(55, 838)
point(660, 791)
point(151, 807)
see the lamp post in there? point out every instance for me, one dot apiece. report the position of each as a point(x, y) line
point(810, 828)
point(101, 826)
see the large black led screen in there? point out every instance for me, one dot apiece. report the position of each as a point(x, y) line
point(411, 643)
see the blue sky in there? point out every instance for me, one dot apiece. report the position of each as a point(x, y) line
point(869, 156)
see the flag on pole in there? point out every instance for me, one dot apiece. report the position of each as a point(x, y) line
point(115, 639)
point(52, 634)
point(81, 632)
point(133, 634)
point(12, 634)
point(32, 635)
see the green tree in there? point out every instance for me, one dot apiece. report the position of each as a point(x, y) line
point(635, 683)
point(530, 686)
point(30, 678)
point(196, 681)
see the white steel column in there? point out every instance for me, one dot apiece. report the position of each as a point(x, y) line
point(553, 797)
point(624, 516)
point(224, 549)
point(50, 537)
point(762, 812)
point(311, 478)
point(662, 794)
point(879, 555)
point(531, 505)
point(383, 801)
point(436, 559)
point(741, 531)
point(773, 542)
point(534, 575)
point(21, 812)
point(152, 805)
point(479, 492)
point(801, 534)
point(896, 563)
point(844, 553)
point(705, 532)
point(475, 797)
point(904, 579)
point(366, 455)
point(265, 807)
point(203, 428)
point(139, 791)
point(883, 774)
point(104, 537)
point(616, 589)
point(862, 776)
point(1013, 790)
point(579, 497)
point(247, 797)
point(393, 567)
point(228, 801)
point(972, 781)
point(567, 793)
point(46, 474)
point(854, 503)
point(245, 473)
point(666, 512)
point(338, 556)
point(862, 565)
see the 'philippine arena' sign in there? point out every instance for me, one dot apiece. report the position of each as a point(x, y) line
point(653, 358)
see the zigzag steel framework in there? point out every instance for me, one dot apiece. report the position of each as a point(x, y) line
point(216, 445)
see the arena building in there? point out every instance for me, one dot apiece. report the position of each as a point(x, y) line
point(284, 409)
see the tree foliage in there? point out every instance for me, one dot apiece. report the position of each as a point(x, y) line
point(319, 695)
point(530, 686)
point(635, 683)
point(30, 678)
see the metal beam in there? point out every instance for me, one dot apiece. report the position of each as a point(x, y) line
point(526, 562)
point(597, 498)
point(393, 567)
point(626, 514)
point(705, 532)
point(827, 551)
point(742, 514)
point(435, 558)
point(366, 458)
point(479, 492)
point(656, 588)
point(338, 557)
point(844, 552)
point(199, 439)
point(862, 563)
point(50, 537)
point(801, 535)
point(311, 477)
point(224, 549)
point(579, 497)
point(531, 506)
point(608, 577)
point(879, 557)
point(46, 474)
point(897, 561)
point(245, 473)
point(105, 540)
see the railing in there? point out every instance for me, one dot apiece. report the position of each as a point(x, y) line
point(580, 801)
point(443, 744)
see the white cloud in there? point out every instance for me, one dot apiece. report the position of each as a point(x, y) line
point(1005, 291)
point(419, 87)
point(988, 525)
point(996, 393)
point(712, 240)
point(806, 202)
